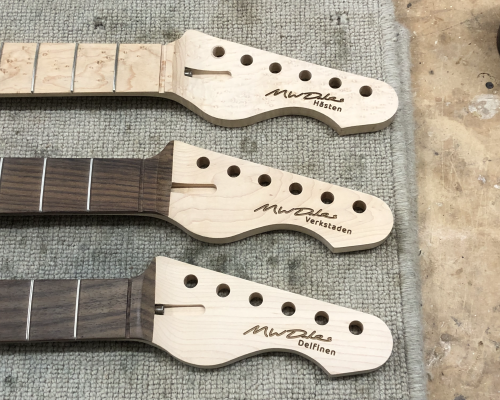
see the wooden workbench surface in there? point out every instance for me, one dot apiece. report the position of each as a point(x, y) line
point(456, 89)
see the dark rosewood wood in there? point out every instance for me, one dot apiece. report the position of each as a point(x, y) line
point(102, 311)
point(20, 185)
point(107, 309)
point(53, 310)
point(14, 297)
point(117, 186)
point(66, 185)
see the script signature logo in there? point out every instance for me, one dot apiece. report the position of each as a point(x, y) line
point(292, 333)
point(288, 94)
point(299, 212)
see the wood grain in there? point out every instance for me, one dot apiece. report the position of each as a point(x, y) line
point(102, 312)
point(203, 329)
point(142, 305)
point(139, 68)
point(14, 298)
point(226, 83)
point(66, 185)
point(55, 64)
point(215, 207)
point(115, 185)
point(20, 185)
point(16, 68)
point(53, 310)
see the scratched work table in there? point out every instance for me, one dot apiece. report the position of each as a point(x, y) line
point(456, 80)
point(358, 36)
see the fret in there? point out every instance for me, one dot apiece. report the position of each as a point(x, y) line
point(30, 305)
point(1, 51)
point(75, 56)
point(116, 66)
point(35, 63)
point(40, 207)
point(1, 167)
point(77, 303)
point(89, 186)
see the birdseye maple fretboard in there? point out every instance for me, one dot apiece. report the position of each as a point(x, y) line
point(69, 68)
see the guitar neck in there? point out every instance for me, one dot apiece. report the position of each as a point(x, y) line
point(85, 185)
point(56, 69)
point(60, 310)
point(226, 83)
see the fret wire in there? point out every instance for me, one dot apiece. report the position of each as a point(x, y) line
point(116, 66)
point(72, 88)
point(1, 169)
point(90, 183)
point(76, 308)
point(42, 186)
point(28, 321)
point(35, 63)
point(1, 50)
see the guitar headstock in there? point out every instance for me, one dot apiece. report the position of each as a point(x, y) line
point(234, 85)
point(212, 319)
point(221, 199)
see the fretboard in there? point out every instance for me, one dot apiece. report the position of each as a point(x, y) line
point(47, 310)
point(83, 185)
point(79, 69)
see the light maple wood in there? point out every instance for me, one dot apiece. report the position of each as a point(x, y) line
point(205, 330)
point(213, 206)
point(227, 83)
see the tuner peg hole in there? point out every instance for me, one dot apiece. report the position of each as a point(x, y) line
point(247, 59)
point(255, 299)
point(327, 198)
point(264, 180)
point(335, 83)
point(305, 76)
point(233, 171)
point(203, 162)
point(359, 207)
point(295, 188)
point(288, 309)
point(275, 68)
point(218, 51)
point(190, 281)
point(321, 318)
point(223, 290)
point(356, 328)
point(365, 91)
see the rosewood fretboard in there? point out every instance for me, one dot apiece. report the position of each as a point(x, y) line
point(46, 310)
point(83, 185)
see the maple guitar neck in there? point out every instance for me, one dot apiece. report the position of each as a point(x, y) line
point(211, 196)
point(224, 82)
point(201, 317)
